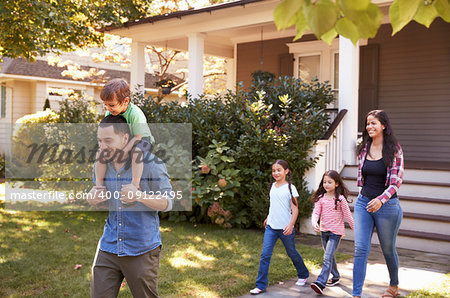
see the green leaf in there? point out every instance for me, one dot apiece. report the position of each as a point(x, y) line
point(368, 22)
point(329, 36)
point(426, 14)
point(346, 28)
point(284, 13)
point(301, 25)
point(321, 16)
point(402, 12)
point(354, 5)
point(443, 9)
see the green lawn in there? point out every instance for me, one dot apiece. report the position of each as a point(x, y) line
point(439, 289)
point(39, 250)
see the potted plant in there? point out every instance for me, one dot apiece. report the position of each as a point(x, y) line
point(166, 85)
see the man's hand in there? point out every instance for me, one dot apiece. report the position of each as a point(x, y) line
point(288, 229)
point(315, 226)
point(97, 195)
point(130, 193)
point(265, 223)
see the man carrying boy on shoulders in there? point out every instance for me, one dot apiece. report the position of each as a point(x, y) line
point(131, 242)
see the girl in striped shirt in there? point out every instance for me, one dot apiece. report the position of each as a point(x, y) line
point(330, 205)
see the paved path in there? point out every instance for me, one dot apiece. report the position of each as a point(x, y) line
point(417, 270)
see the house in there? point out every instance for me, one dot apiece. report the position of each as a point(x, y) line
point(408, 75)
point(24, 86)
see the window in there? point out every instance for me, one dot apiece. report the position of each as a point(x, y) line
point(3, 101)
point(308, 67)
point(336, 78)
point(317, 59)
point(56, 94)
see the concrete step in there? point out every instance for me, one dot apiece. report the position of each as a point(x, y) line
point(426, 223)
point(427, 242)
point(418, 205)
point(432, 176)
point(412, 189)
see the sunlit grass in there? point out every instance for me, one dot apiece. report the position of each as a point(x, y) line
point(439, 289)
point(38, 252)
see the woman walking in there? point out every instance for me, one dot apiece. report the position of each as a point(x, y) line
point(380, 174)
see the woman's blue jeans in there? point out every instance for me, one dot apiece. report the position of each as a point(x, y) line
point(387, 222)
point(330, 242)
point(270, 238)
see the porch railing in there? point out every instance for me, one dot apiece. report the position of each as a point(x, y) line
point(332, 141)
point(328, 152)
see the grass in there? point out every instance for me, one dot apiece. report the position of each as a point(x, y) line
point(38, 252)
point(439, 289)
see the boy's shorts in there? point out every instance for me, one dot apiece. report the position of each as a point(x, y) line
point(144, 144)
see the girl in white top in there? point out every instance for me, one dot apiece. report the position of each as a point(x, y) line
point(280, 223)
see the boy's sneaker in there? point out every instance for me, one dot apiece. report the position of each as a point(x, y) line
point(332, 282)
point(256, 291)
point(317, 288)
point(301, 282)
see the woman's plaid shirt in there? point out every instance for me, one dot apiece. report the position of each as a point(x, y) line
point(394, 175)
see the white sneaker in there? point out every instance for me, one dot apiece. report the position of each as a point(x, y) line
point(256, 291)
point(301, 282)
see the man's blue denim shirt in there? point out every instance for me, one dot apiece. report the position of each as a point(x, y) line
point(128, 232)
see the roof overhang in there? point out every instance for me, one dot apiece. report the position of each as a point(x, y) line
point(222, 26)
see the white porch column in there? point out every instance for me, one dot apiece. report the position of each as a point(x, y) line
point(137, 79)
point(195, 64)
point(231, 75)
point(348, 96)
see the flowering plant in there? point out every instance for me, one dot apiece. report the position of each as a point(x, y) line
point(219, 216)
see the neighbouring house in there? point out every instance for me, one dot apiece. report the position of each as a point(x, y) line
point(408, 75)
point(25, 86)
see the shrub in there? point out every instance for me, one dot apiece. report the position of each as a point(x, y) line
point(78, 110)
point(2, 166)
point(46, 128)
point(216, 179)
point(29, 129)
point(279, 120)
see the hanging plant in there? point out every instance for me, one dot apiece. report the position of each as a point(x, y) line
point(166, 85)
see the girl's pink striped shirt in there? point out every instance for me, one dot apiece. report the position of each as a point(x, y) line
point(331, 219)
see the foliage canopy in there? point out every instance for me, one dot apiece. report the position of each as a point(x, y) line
point(354, 19)
point(33, 28)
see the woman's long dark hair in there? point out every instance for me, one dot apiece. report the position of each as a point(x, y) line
point(340, 190)
point(390, 143)
point(285, 166)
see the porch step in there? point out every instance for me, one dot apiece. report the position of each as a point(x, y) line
point(425, 200)
point(437, 176)
point(420, 205)
point(425, 223)
point(439, 190)
point(428, 242)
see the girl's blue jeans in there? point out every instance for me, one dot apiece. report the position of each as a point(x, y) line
point(387, 222)
point(270, 238)
point(330, 242)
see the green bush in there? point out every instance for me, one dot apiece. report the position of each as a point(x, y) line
point(47, 104)
point(280, 120)
point(78, 110)
point(2, 166)
point(50, 127)
point(29, 129)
